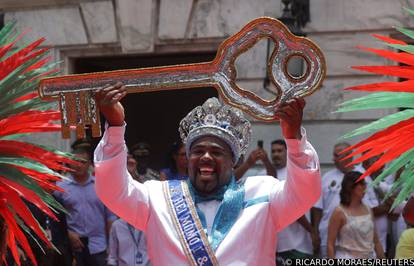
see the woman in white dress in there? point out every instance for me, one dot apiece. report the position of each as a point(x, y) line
point(351, 231)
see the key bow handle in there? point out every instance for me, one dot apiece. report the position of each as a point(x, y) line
point(287, 86)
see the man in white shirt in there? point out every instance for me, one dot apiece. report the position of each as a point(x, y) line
point(295, 241)
point(209, 219)
point(127, 246)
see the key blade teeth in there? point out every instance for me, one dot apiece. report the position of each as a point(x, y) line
point(63, 109)
point(81, 113)
point(95, 118)
point(87, 110)
point(80, 132)
point(79, 109)
point(65, 132)
point(91, 112)
point(64, 116)
point(96, 130)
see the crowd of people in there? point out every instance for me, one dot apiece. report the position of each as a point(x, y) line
point(351, 219)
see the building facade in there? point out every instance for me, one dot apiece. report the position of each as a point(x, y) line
point(94, 35)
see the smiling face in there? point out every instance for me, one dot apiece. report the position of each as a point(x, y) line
point(210, 165)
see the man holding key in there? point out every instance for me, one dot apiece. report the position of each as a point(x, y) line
point(209, 219)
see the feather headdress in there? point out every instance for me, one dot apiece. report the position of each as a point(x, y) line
point(27, 170)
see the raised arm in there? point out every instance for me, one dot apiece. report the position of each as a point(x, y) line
point(254, 156)
point(115, 187)
point(302, 187)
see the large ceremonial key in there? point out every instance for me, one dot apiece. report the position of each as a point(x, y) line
point(76, 92)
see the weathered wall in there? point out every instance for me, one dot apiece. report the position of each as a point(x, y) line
point(102, 27)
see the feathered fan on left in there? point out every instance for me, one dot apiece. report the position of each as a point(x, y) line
point(28, 171)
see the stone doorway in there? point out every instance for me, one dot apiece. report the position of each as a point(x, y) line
point(152, 117)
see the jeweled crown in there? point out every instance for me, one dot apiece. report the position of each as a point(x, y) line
point(218, 120)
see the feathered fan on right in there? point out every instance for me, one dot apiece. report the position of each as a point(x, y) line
point(393, 139)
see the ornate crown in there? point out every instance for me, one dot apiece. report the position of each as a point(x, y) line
point(221, 121)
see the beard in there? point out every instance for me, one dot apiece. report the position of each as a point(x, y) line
point(206, 184)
